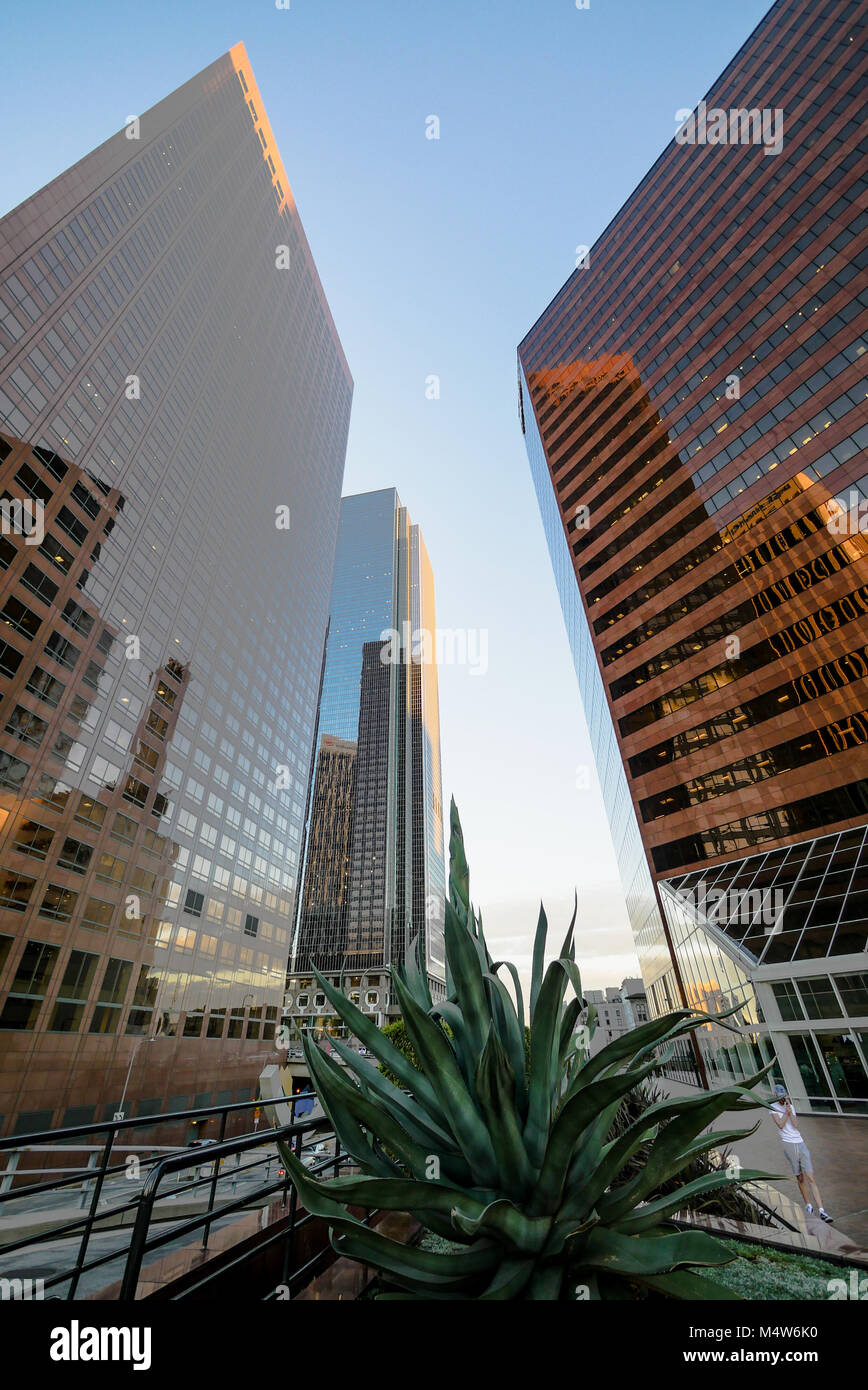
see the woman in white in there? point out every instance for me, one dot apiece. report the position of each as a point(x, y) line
point(798, 1153)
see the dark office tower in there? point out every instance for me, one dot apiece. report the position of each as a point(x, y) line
point(694, 403)
point(329, 840)
point(379, 706)
point(174, 406)
point(379, 838)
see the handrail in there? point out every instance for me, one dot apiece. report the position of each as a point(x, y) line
point(90, 1181)
point(140, 1122)
point(139, 1243)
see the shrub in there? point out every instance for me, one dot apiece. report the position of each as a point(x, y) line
point(514, 1164)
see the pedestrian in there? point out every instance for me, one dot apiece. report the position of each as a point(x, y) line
point(798, 1153)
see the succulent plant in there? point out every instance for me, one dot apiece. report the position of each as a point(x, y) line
point(734, 1203)
point(520, 1174)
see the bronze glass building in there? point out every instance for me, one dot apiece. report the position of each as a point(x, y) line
point(174, 405)
point(694, 405)
point(374, 875)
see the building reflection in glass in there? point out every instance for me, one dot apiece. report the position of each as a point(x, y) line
point(165, 340)
point(696, 429)
point(374, 861)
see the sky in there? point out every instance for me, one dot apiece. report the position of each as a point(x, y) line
point(437, 256)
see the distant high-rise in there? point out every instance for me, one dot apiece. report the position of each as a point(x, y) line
point(695, 404)
point(374, 865)
point(174, 404)
point(618, 1010)
point(325, 896)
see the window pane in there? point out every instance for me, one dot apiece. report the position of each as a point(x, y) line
point(819, 998)
point(845, 1068)
point(853, 989)
point(66, 1018)
point(34, 969)
point(78, 975)
point(115, 981)
point(813, 1079)
point(20, 1013)
point(105, 1019)
point(788, 1001)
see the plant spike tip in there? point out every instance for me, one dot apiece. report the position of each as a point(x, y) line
point(508, 1138)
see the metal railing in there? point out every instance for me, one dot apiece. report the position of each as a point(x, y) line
point(153, 1226)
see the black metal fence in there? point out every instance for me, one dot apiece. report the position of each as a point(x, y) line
point(27, 1197)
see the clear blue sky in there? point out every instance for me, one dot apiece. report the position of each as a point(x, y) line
point(436, 257)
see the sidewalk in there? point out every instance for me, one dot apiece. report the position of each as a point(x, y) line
point(839, 1148)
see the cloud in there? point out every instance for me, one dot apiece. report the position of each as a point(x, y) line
point(605, 952)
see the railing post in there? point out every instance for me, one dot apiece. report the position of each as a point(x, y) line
point(88, 1225)
point(9, 1171)
point(87, 1186)
point(212, 1186)
point(136, 1252)
point(295, 1145)
point(91, 1164)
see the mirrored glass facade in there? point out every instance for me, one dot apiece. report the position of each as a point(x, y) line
point(374, 863)
point(175, 401)
point(695, 406)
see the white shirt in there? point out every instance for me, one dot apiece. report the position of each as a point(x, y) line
point(789, 1133)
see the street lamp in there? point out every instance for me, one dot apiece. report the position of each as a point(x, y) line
point(343, 991)
point(120, 1113)
point(240, 1053)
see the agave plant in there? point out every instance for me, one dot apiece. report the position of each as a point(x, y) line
point(518, 1173)
point(734, 1202)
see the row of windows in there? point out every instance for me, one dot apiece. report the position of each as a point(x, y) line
point(824, 996)
point(703, 174)
point(800, 580)
point(372, 999)
point(836, 614)
point(746, 563)
point(805, 351)
point(826, 417)
point(783, 868)
point(839, 735)
point(812, 685)
point(34, 972)
point(809, 813)
point(59, 903)
point(23, 1005)
point(810, 239)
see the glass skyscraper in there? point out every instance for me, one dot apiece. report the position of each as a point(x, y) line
point(695, 405)
point(374, 865)
point(174, 406)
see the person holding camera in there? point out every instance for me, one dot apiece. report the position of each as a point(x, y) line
point(798, 1153)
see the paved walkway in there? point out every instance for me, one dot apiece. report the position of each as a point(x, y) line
point(839, 1148)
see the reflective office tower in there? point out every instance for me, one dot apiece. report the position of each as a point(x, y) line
point(694, 403)
point(374, 875)
point(174, 406)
